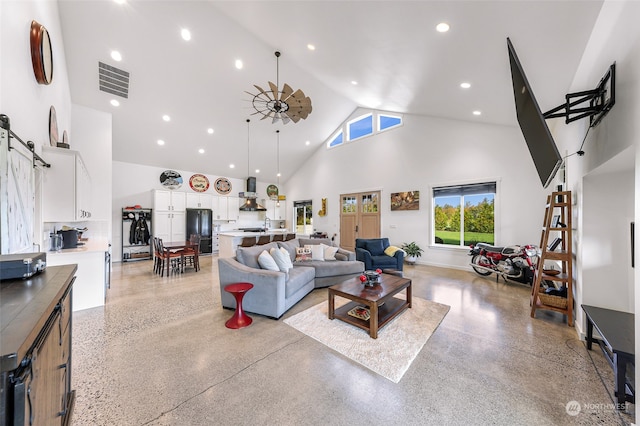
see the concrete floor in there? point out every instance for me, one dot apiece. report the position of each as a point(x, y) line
point(158, 353)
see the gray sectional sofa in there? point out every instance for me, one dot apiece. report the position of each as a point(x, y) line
point(275, 292)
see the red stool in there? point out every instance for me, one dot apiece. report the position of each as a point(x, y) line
point(239, 318)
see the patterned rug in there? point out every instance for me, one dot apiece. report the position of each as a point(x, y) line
point(397, 345)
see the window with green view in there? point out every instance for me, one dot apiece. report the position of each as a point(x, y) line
point(464, 214)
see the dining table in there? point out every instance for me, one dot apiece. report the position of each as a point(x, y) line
point(178, 245)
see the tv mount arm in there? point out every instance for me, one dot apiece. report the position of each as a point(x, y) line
point(599, 103)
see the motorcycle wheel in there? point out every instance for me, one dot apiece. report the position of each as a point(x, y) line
point(478, 259)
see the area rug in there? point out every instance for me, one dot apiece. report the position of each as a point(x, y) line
point(397, 345)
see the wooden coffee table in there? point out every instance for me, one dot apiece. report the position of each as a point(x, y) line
point(383, 307)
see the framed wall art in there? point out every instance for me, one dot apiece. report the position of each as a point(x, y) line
point(405, 200)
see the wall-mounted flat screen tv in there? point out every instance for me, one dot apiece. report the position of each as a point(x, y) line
point(534, 128)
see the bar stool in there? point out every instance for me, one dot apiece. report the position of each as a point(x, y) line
point(239, 318)
point(264, 239)
point(289, 237)
point(248, 242)
point(278, 237)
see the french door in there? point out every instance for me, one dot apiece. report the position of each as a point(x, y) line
point(359, 217)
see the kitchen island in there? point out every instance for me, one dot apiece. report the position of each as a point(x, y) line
point(230, 240)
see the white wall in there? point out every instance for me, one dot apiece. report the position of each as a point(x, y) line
point(615, 38)
point(428, 152)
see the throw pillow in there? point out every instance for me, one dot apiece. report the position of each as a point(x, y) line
point(282, 259)
point(375, 247)
point(391, 250)
point(267, 262)
point(303, 254)
point(330, 253)
point(317, 251)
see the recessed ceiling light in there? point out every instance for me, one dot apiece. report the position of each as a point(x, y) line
point(355, 83)
point(311, 46)
point(201, 151)
point(210, 130)
point(114, 102)
point(442, 27)
point(116, 56)
point(239, 64)
point(120, 1)
point(166, 117)
point(186, 34)
point(477, 112)
point(257, 170)
point(307, 143)
point(279, 174)
point(232, 166)
point(465, 85)
point(160, 142)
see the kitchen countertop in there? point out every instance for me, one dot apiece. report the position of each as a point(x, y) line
point(253, 234)
point(89, 246)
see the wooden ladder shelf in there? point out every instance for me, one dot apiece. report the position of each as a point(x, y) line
point(555, 243)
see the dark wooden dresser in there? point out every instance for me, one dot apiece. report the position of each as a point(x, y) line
point(35, 348)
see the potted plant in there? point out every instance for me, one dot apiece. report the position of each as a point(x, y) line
point(413, 251)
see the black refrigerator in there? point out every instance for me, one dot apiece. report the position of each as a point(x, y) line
point(199, 221)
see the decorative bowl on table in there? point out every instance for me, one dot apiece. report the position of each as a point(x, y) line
point(370, 278)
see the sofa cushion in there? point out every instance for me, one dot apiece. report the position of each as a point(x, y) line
point(384, 261)
point(298, 278)
point(314, 241)
point(331, 268)
point(330, 253)
point(317, 251)
point(375, 247)
point(391, 250)
point(303, 254)
point(266, 261)
point(281, 256)
point(248, 256)
point(290, 246)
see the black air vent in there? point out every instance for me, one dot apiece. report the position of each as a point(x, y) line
point(113, 80)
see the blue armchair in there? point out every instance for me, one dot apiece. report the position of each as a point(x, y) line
point(371, 252)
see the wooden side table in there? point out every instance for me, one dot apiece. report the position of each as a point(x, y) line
point(239, 318)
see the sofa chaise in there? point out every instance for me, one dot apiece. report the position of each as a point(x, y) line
point(275, 292)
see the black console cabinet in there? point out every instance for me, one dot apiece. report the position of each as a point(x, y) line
point(35, 343)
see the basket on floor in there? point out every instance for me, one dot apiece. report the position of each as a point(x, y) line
point(551, 300)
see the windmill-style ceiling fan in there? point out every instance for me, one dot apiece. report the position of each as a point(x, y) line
point(285, 105)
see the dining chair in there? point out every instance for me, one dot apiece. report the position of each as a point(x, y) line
point(173, 259)
point(248, 242)
point(191, 254)
point(264, 239)
point(158, 260)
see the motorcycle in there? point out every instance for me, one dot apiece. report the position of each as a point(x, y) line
point(516, 263)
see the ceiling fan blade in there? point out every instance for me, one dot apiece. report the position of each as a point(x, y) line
point(287, 91)
point(274, 90)
point(262, 91)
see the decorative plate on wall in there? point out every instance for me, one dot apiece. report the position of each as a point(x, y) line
point(53, 127)
point(199, 183)
point(171, 179)
point(41, 53)
point(272, 191)
point(223, 186)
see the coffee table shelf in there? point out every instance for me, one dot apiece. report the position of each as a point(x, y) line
point(391, 309)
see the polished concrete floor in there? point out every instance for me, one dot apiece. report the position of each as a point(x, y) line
point(158, 353)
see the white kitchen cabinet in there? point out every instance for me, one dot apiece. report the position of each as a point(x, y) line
point(169, 226)
point(66, 193)
point(275, 212)
point(169, 219)
point(226, 208)
point(169, 201)
point(199, 201)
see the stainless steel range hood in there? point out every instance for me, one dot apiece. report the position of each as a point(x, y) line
point(250, 203)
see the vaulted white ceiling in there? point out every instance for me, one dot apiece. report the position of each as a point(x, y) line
point(391, 48)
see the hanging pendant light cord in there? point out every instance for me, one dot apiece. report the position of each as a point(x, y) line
point(248, 156)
